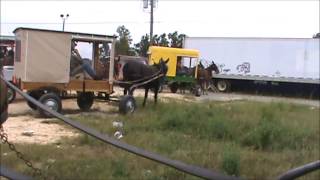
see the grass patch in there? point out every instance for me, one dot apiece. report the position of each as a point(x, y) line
point(246, 139)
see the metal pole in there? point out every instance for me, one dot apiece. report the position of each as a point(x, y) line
point(64, 17)
point(63, 24)
point(151, 23)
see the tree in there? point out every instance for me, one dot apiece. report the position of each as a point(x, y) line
point(172, 40)
point(123, 42)
point(176, 40)
point(162, 40)
point(142, 47)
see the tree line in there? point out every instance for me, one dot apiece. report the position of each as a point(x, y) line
point(124, 42)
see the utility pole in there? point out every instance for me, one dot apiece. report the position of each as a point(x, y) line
point(151, 22)
point(152, 4)
point(64, 17)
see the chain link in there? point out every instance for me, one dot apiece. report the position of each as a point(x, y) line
point(4, 139)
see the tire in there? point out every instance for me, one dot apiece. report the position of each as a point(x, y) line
point(51, 100)
point(173, 87)
point(127, 104)
point(85, 100)
point(223, 85)
point(11, 95)
point(197, 91)
point(36, 95)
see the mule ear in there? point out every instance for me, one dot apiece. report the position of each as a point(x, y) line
point(167, 61)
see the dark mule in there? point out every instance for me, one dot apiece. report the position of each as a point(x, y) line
point(204, 75)
point(136, 72)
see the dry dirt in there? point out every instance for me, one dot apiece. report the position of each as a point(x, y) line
point(23, 125)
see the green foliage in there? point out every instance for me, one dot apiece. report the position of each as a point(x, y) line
point(124, 41)
point(231, 160)
point(265, 133)
point(142, 47)
point(171, 40)
point(176, 40)
point(247, 139)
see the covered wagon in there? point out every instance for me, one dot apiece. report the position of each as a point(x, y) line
point(43, 60)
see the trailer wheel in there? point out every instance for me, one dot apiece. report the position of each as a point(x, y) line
point(11, 94)
point(52, 101)
point(127, 104)
point(85, 100)
point(36, 95)
point(223, 85)
point(173, 87)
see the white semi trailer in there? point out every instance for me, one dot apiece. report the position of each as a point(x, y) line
point(268, 60)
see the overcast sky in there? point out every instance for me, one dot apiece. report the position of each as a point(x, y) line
point(286, 18)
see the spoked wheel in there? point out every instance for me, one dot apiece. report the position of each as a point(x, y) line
point(127, 104)
point(36, 95)
point(52, 101)
point(11, 94)
point(173, 87)
point(85, 100)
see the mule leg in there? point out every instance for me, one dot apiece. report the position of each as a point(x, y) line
point(156, 95)
point(145, 96)
point(125, 91)
point(131, 92)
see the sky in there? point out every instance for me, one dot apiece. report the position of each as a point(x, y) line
point(204, 18)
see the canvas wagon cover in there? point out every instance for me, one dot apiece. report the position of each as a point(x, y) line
point(44, 56)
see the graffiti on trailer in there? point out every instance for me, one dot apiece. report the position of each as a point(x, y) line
point(222, 68)
point(244, 68)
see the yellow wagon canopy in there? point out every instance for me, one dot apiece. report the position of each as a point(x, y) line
point(157, 52)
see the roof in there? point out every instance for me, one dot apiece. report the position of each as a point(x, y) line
point(177, 51)
point(7, 38)
point(65, 32)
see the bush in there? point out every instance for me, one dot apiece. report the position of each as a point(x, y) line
point(265, 133)
point(231, 161)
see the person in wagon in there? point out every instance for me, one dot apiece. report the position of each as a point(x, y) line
point(77, 63)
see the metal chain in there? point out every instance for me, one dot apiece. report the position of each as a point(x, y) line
point(4, 139)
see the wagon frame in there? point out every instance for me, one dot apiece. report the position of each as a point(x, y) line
point(42, 66)
point(175, 80)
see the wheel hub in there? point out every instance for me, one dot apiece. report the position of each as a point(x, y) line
point(52, 104)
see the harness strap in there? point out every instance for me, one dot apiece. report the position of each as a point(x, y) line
point(138, 80)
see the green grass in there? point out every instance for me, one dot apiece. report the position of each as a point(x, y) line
point(247, 139)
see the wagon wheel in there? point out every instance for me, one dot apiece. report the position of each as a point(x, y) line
point(127, 104)
point(197, 90)
point(11, 94)
point(85, 100)
point(52, 101)
point(173, 87)
point(36, 95)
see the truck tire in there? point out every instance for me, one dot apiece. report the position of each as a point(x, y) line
point(85, 100)
point(223, 85)
point(127, 104)
point(53, 101)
